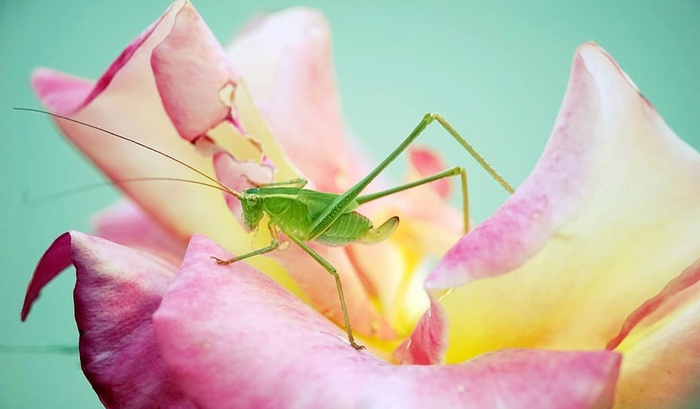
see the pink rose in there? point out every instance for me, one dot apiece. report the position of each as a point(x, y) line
point(579, 292)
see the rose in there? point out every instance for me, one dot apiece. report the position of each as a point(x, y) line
point(223, 338)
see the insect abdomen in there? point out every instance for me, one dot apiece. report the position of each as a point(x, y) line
point(348, 228)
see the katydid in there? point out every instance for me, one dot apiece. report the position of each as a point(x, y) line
point(305, 215)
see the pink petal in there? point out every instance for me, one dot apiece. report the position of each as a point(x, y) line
point(286, 60)
point(428, 342)
point(117, 291)
point(608, 217)
point(63, 94)
point(427, 162)
point(689, 277)
point(56, 259)
point(235, 339)
point(190, 82)
point(126, 224)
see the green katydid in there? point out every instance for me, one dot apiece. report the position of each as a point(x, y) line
point(305, 215)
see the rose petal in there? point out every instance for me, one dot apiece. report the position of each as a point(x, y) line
point(426, 162)
point(286, 60)
point(128, 103)
point(190, 82)
point(117, 291)
point(235, 339)
point(613, 201)
point(56, 259)
point(689, 277)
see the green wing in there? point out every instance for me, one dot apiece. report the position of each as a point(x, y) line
point(317, 202)
point(278, 199)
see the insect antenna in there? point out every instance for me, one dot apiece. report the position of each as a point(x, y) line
point(215, 183)
point(34, 201)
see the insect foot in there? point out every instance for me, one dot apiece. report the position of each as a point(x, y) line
point(222, 262)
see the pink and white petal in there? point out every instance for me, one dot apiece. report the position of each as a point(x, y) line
point(191, 70)
point(125, 223)
point(234, 339)
point(126, 101)
point(286, 60)
point(661, 337)
point(613, 201)
point(117, 290)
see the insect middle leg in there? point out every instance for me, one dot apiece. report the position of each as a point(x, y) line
point(274, 244)
point(338, 285)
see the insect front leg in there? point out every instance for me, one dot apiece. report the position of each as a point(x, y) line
point(274, 244)
point(339, 286)
point(297, 183)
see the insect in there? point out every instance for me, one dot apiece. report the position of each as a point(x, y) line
point(305, 215)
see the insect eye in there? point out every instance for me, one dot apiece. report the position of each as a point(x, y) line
point(253, 199)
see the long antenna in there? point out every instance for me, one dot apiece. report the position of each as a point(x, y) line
point(124, 138)
point(33, 201)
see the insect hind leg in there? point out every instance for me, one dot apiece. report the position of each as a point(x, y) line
point(480, 159)
point(338, 284)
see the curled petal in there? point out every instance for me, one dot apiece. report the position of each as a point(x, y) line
point(56, 259)
point(126, 101)
point(688, 278)
point(117, 291)
point(428, 342)
point(216, 320)
point(190, 82)
point(661, 336)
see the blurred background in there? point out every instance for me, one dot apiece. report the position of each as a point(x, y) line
point(496, 70)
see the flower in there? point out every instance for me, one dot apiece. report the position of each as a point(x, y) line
point(576, 289)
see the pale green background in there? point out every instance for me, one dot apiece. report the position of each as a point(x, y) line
point(495, 69)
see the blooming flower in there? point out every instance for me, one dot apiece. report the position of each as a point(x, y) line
point(569, 296)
